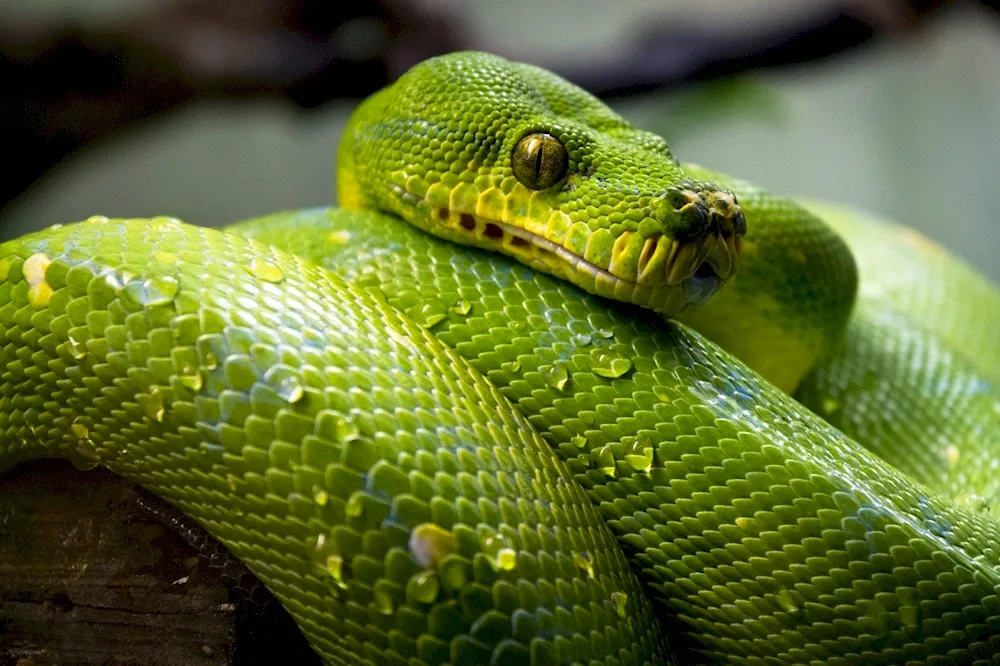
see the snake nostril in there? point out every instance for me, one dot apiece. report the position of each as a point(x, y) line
point(681, 197)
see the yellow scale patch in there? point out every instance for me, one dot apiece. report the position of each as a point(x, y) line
point(34, 272)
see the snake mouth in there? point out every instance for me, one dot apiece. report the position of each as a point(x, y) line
point(672, 277)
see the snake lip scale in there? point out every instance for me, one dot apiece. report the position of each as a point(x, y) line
point(694, 272)
point(697, 289)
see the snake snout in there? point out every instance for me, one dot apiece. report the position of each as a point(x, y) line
point(703, 226)
point(709, 225)
point(724, 238)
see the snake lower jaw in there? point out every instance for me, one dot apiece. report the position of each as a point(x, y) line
point(683, 284)
point(698, 293)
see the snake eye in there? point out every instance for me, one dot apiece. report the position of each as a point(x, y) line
point(539, 161)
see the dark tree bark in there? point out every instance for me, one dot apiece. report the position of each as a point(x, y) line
point(88, 575)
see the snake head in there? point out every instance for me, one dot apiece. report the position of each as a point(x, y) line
point(510, 157)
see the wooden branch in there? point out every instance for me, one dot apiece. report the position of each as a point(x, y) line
point(87, 576)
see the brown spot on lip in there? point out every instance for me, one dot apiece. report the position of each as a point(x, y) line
point(675, 263)
point(442, 213)
point(493, 232)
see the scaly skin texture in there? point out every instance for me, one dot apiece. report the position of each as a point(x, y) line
point(789, 304)
point(415, 447)
point(908, 273)
point(437, 148)
point(918, 347)
point(386, 493)
point(761, 532)
point(441, 148)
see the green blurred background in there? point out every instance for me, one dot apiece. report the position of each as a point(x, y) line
point(908, 128)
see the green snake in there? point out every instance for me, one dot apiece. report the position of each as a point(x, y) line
point(506, 454)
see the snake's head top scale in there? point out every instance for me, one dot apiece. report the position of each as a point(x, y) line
point(510, 157)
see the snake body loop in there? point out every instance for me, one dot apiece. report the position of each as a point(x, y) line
point(438, 454)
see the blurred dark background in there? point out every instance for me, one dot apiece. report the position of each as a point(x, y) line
point(213, 110)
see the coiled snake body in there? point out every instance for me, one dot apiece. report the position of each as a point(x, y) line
point(435, 454)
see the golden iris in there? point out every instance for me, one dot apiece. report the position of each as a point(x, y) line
point(539, 161)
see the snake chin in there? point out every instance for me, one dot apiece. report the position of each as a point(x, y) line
point(700, 289)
